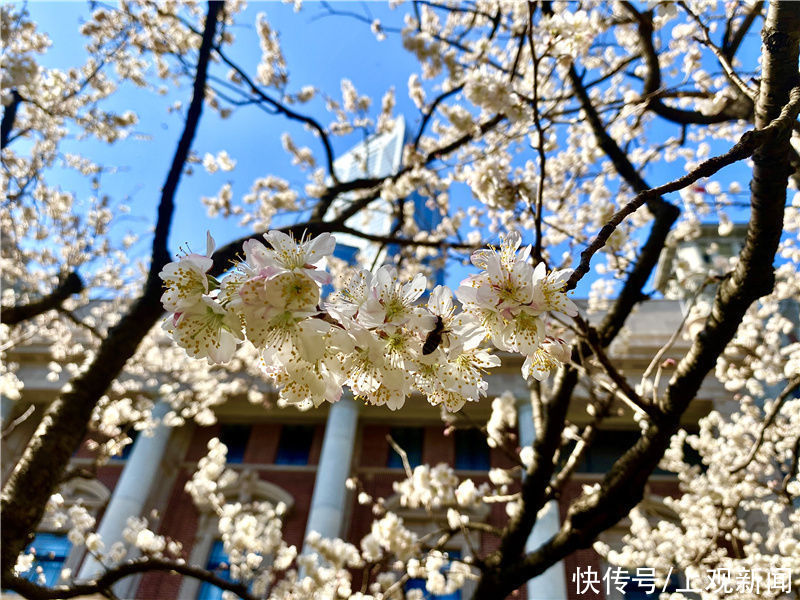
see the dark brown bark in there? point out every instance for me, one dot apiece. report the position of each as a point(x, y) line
point(652, 83)
point(622, 488)
point(11, 315)
point(64, 423)
point(105, 582)
point(731, 43)
point(665, 214)
point(9, 116)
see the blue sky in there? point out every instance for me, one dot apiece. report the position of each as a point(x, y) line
point(317, 54)
point(318, 51)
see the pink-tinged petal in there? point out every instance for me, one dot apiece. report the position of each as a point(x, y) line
point(539, 273)
point(487, 297)
point(383, 286)
point(560, 277)
point(480, 258)
point(279, 241)
point(256, 253)
point(372, 313)
point(321, 277)
point(440, 301)
point(467, 294)
point(200, 262)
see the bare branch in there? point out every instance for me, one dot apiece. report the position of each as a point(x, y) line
point(731, 44)
point(787, 392)
point(652, 82)
point(104, 583)
point(71, 284)
point(744, 148)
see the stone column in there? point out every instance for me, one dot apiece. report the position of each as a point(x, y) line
point(6, 408)
point(328, 501)
point(128, 499)
point(552, 584)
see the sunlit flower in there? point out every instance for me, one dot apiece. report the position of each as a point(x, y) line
point(549, 291)
point(206, 330)
point(186, 280)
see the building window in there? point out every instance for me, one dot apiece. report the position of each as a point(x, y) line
point(608, 446)
point(410, 440)
point(235, 437)
point(218, 564)
point(294, 446)
point(472, 452)
point(51, 551)
point(419, 583)
point(126, 451)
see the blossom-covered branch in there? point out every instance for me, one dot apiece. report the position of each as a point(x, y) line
point(71, 284)
point(376, 339)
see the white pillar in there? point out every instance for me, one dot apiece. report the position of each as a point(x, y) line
point(6, 408)
point(328, 501)
point(552, 584)
point(128, 499)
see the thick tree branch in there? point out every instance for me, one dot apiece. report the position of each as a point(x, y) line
point(9, 116)
point(652, 83)
point(72, 284)
point(64, 423)
point(665, 214)
point(623, 486)
point(730, 45)
point(106, 581)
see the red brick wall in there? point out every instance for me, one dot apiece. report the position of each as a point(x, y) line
point(301, 486)
point(180, 520)
point(437, 447)
point(374, 451)
point(198, 447)
point(179, 523)
point(263, 444)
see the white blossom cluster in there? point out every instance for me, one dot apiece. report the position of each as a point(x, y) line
point(735, 514)
point(374, 336)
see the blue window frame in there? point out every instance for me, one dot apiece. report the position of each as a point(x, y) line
point(419, 583)
point(294, 446)
point(409, 439)
point(218, 564)
point(235, 437)
point(472, 452)
point(51, 551)
point(346, 253)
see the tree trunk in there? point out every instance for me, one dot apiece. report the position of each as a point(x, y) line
point(63, 427)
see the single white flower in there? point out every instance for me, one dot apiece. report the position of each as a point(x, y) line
point(186, 280)
point(206, 330)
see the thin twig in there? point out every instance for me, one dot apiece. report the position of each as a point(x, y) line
point(746, 145)
point(403, 455)
point(793, 385)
